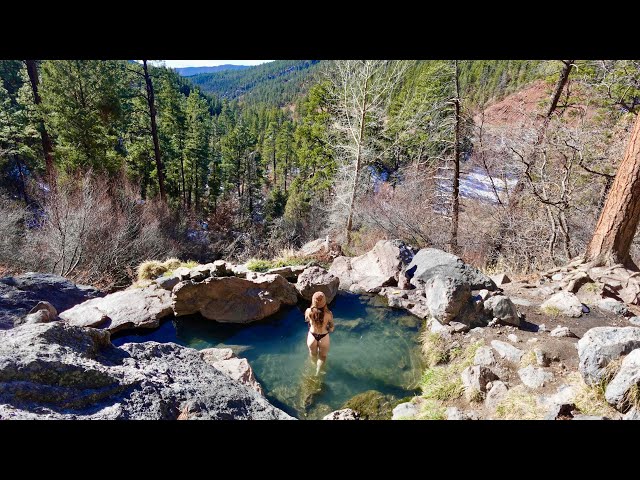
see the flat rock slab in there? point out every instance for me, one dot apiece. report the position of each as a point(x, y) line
point(131, 308)
point(19, 294)
point(507, 351)
point(233, 299)
point(59, 371)
point(534, 377)
point(523, 302)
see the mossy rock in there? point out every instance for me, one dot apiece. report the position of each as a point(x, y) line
point(372, 405)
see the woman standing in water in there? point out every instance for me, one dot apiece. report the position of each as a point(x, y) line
point(321, 324)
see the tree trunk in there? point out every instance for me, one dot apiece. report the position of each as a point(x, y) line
point(47, 149)
point(358, 161)
point(456, 169)
point(562, 81)
point(619, 218)
point(275, 176)
point(154, 130)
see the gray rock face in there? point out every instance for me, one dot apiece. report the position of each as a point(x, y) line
point(131, 308)
point(431, 262)
point(635, 321)
point(496, 394)
point(21, 293)
point(484, 357)
point(476, 377)
point(534, 377)
point(454, 413)
point(612, 305)
point(446, 297)
point(619, 390)
point(379, 267)
point(43, 312)
point(237, 368)
point(600, 345)
point(502, 308)
point(500, 279)
point(561, 331)
point(344, 414)
point(405, 411)
point(565, 303)
point(523, 302)
point(507, 351)
point(317, 279)
point(55, 370)
point(633, 414)
point(168, 282)
point(233, 299)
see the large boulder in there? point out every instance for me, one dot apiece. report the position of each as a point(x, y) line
point(131, 308)
point(59, 371)
point(626, 383)
point(379, 267)
point(502, 308)
point(237, 368)
point(317, 279)
point(564, 303)
point(601, 345)
point(19, 294)
point(234, 299)
point(446, 297)
point(431, 262)
point(320, 247)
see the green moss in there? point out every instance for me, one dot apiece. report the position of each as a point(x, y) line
point(372, 405)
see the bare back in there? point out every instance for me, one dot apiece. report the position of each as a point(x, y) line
point(327, 322)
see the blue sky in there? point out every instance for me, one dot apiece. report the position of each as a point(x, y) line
point(210, 63)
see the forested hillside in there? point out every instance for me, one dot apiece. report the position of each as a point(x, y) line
point(190, 71)
point(107, 163)
point(275, 83)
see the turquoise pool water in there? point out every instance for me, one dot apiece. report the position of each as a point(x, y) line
point(373, 348)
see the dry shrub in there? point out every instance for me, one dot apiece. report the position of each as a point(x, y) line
point(94, 229)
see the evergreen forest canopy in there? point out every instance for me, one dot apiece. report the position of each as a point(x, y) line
point(107, 163)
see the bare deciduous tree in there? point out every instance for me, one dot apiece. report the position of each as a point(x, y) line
point(362, 90)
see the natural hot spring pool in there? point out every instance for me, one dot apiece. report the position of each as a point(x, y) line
point(373, 348)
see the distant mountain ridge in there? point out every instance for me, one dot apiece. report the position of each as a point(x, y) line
point(190, 71)
point(275, 83)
